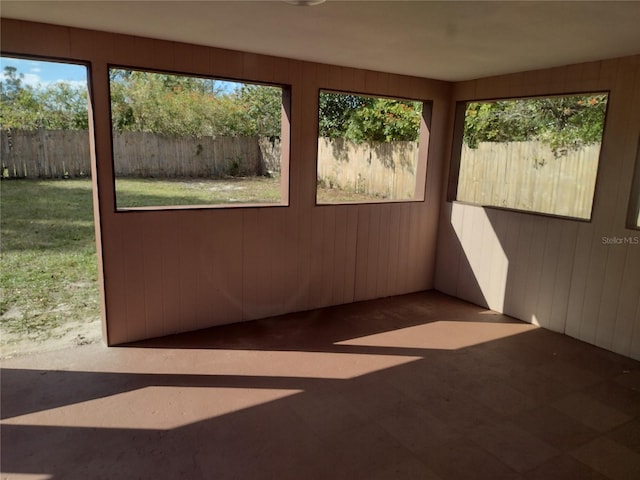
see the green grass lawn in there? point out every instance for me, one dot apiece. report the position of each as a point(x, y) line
point(48, 272)
point(255, 190)
point(132, 192)
point(48, 269)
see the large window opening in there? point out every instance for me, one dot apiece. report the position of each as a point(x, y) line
point(369, 148)
point(49, 277)
point(531, 154)
point(182, 141)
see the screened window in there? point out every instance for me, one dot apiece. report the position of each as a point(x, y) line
point(192, 141)
point(532, 154)
point(369, 148)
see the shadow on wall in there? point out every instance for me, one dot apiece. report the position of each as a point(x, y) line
point(556, 273)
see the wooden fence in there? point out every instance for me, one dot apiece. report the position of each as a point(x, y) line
point(520, 175)
point(528, 176)
point(141, 154)
point(386, 170)
point(45, 154)
point(64, 153)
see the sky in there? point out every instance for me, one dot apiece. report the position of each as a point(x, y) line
point(45, 73)
point(38, 72)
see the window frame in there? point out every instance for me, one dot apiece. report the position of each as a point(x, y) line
point(633, 212)
point(285, 142)
point(424, 137)
point(457, 143)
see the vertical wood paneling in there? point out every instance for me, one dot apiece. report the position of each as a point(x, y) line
point(190, 259)
point(618, 255)
point(226, 63)
point(49, 40)
point(427, 235)
point(607, 307)
point(327, 255)
point(635, 337)
point(382, 289)
point(362, 254)
point(414, 265)
point(171, 299)
point(467, 287)
point(258, 67)
point(482, 255)
point(550, 252)
point(152, 255)
point(182, 57)
point(339, 264)
point(404, 257)
point(114, 269)
point(170, 271)
point(256, 266)
point(498, 262)
point(317, 291)
point(560, 273)
point(373, 251)
point(609, 172)
point(208, 294)
point(448, 255)
point(134, 276)
point(352, 249)
point(534, 272)
point(227, 269)
point(579, 277)
point(283, 271)
point(563, 276)
point(394, 252)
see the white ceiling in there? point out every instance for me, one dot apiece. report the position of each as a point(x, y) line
point(442, 40)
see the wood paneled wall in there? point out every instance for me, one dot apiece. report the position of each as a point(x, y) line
point(177, 270)
point(560, 274)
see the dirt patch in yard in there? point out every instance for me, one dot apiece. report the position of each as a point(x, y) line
point(69, 334)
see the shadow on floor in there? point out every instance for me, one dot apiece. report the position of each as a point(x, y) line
point(419, 386)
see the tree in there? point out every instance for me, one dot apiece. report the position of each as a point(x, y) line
point(19, 105)
point(335, 111)
point(368, 119)
point(158, 103)
point(385, 121)
point(563, 122)
point(261, 110)
point(64, 107)
point(189, 106)
point(61, 106)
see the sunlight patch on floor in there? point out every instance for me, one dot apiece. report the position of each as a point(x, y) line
point(153, 408)
point(442, 335)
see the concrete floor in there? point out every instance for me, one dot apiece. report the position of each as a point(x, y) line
point(415, 387)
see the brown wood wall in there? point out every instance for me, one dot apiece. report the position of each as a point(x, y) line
point(178, 270)
point(557, 273)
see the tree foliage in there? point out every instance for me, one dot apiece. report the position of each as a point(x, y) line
point(59, 106)
point(564, 122)
point(147, 102)
point(190, 106)
point(368, 119)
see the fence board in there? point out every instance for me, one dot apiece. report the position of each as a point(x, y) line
point(65, 153)
point(387, 170)
point(527, 176)
point(520, 175)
